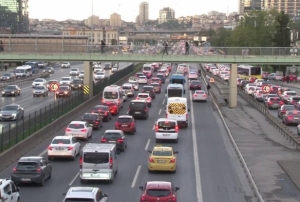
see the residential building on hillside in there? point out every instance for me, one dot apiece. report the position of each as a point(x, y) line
point(143, 12)
point(92, 21)
point(289, 7)
point(115, 20)
point(248, 5)
point(165, 15)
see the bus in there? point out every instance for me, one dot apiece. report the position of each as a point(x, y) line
point(175, 90)
point(247, 72)
point(177, 78)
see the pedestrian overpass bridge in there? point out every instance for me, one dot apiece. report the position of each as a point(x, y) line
point(233, 56)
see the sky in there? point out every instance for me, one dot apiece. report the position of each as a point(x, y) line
point(128, 9)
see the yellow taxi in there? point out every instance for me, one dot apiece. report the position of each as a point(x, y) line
point(162, 159)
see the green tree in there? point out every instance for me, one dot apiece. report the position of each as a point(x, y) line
point(114, 42)
point(220, 36)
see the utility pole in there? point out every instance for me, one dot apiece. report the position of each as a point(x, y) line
point(92, 39)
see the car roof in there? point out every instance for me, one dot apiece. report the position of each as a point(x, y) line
point(113, 131)
point(147, 86)
point(11, 105)
point(166, 119)
point(82, 192)
point(158, 185)
point(162, 148)
point(63, 137)
point(30, 158)
point(199, 91)
point(144, 93)
point(126, 116)
point(77, 122)
point(142, 101)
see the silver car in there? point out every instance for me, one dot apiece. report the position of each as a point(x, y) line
point(81, 74)
point(40, 91)
point(125, 96)
point(11, 112)
point(7, 76)
point(99, 75)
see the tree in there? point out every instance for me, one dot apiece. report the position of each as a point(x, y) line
point(114, 42)
point(220, 36)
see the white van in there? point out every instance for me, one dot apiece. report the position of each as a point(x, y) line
point(23, 71)
point(148, 70)
point(9, 191)
point(113, 93)
point(177, 109)
point(98, 162)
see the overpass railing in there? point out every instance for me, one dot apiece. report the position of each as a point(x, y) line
point(146, 49)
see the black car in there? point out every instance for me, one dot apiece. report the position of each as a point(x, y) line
point(77, 84)
point(195, 85)
point(63, 91)
point(31, 169)
point(11, 90)
point(244, 83)
point(107, 66)
point(162, 77)
point(138, 109)
point(116, 137)
point(150, 90)
point(103, 111)
point(94, 119)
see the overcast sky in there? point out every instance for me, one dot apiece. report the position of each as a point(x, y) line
point(128, 9)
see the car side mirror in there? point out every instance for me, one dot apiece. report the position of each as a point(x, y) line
point(176, 152)
point(149, 151)
point(189, 109)
point(177, 188)
point(105, 195)
point(141, 188)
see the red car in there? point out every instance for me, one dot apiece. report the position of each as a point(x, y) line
point(292, 78)
point(113, 107)
point(159, 191)
point(126, 124)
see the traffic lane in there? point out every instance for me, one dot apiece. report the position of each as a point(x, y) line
point(65, 172)
point(216, 168)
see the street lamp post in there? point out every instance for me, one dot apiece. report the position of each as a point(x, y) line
point(92, 27)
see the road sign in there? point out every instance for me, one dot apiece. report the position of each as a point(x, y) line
point(211, 80)
point(266, 88)
point(54, 87)
point(86, 89)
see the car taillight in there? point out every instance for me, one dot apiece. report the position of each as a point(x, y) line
point(111, 161)
point(132, 124)
point(70, 148)
point(151, 160)
point(137, 98)
point(103, 140)
point(80, 163)
point(148, 98)
point(83, 130)
point(270, 103)
point(102, 100)
point(186, 116)
point(172, 161)
point(119, 101)
point(68, 130)
point(144, 199)
point(156, 128)
point(176, 128)
point(38, 170)
point(195, 95)
point(96, 122)
point(50, 148)
point(120, 140)
point(117, 124)
point(14, 170)
point(281, 103)
point(204, 95)
point(290, 117)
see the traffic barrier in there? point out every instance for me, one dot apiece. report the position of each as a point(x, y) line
point(277, 124)
point(21, 148)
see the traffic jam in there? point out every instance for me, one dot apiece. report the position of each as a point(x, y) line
point(98, 161)
point(267, 89)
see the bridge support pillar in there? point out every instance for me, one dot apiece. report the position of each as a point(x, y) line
point(88, 79)
point(233, 86)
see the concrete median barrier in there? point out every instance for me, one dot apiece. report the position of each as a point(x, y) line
point(14, 153)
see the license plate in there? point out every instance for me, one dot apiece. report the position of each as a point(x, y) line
point(296, 118)
point(60, 148)
point(25, 179)
point(76, 135)
point(137, 112)
point(166, 134)
point(124, 125)
point(112, 141)
point(161, 161)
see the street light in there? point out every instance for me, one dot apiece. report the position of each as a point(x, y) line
point(92, 27)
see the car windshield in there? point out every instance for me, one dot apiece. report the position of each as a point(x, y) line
point(10, 87)
point(65, 63)
point(78, 200)
point(195, 82)
point(40, 87)
point(90, 116)
point(137, 105)
point(100, 73)
point(291, 93)
point(124, 120)
point(61, 141)
point(146, 89)
point(74, 70)
point(162, 153)
point(158, 192)
point(9, 108)
point(76, 126)
point(20, 70)
point(155, 84)
point(142, 96)
point(142, 77)
point(48, 68)
point(291, 107)
point(81, 72)
point(160, 76)
point(65, 79)
point(38, 80)
point(166, 125)
point(126, 87)
point(110, 95)
point(6, 75)
point(77, 81)
point(296, 98)
point(27, 164)
point(63, 88)
point(112, 136)
point(95, 157)
point(100, 108)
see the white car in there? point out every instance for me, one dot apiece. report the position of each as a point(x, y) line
point(81, 74)
point(146, 97)
point(74, 72)
point(143, 80)
point(66, 80)
point(114, 69)
point(199, 95)
point(166, 129)
point(79, 130)
point(9, 191)
point(65, 65)
point(39, 82)
point(99, 75)
point(129, 89)
point(98, 68)
point(124, 95)
point(64, 146)
point(193, 76)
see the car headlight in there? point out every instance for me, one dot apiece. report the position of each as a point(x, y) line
point(57, 92)
point(0, 114)
point(3, 92)
point(12, 92)
point(14, 114)
point(72, 85)
point(79, 85)
point(66, 92)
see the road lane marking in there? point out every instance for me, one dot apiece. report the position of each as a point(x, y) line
point(26, 106)
point(196, 158)
point(164, 101)
point(147, 145)
point(159, 112)
point(136, 176)
point(43, 152)
point(153, 127)
point(73, 180)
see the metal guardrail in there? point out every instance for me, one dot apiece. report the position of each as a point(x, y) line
point(236, 148)
point(279, 126)
point(21, 81)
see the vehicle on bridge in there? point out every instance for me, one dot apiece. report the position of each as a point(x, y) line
point(247, 72)
point(175, 90)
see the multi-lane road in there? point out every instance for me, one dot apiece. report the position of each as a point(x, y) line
point(205, 170)
point(30, 103)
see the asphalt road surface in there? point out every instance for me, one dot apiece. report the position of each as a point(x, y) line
point(205, 170)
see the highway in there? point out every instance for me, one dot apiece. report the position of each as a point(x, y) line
point(30, 103)
point(205, 170)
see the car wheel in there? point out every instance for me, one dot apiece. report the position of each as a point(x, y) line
point(74, 157)
point(50, 175)
point(42, 183)
point(33, 95)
